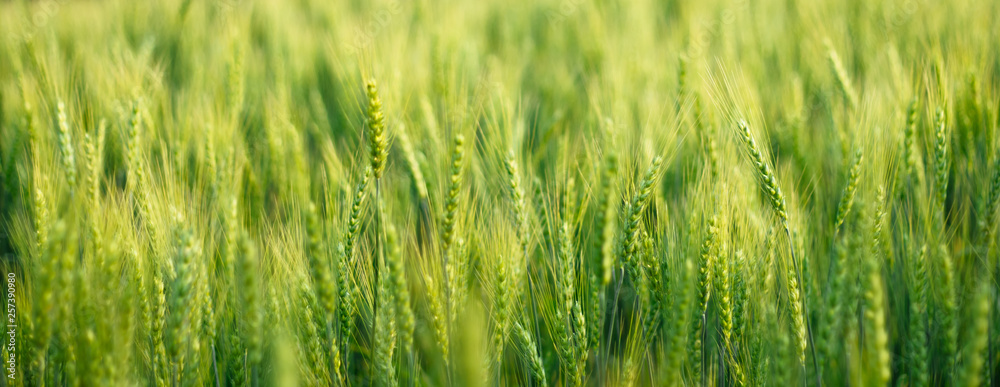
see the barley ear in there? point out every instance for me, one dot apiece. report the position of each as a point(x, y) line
point(635, 209)
point(378, 143)
point(992, 206)
point(319, 268)
point(916, 345)
point(910, 154)
point(354, 218)
point(534, 360)
point(941, 161)
point(977, 336)
point(705, 279)
point(843, 80)
point(847, 200)
point(400, 290)
point(66, 146)
point(454, 188)
point(385, 334)
point(946, 313)
point(797, 315)
point(768, 181)
point(606, 219)
point(874, 312)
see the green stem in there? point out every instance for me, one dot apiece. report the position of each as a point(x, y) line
point(534, 308)
point(614, 307)
point(377, 261)
point(215, 367)
point(805, 309)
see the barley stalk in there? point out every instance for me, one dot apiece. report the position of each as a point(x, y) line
point(770, 185)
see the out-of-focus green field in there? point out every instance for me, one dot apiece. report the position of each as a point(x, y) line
point(544, 193)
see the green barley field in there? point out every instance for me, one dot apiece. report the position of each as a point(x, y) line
point(500, 193)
